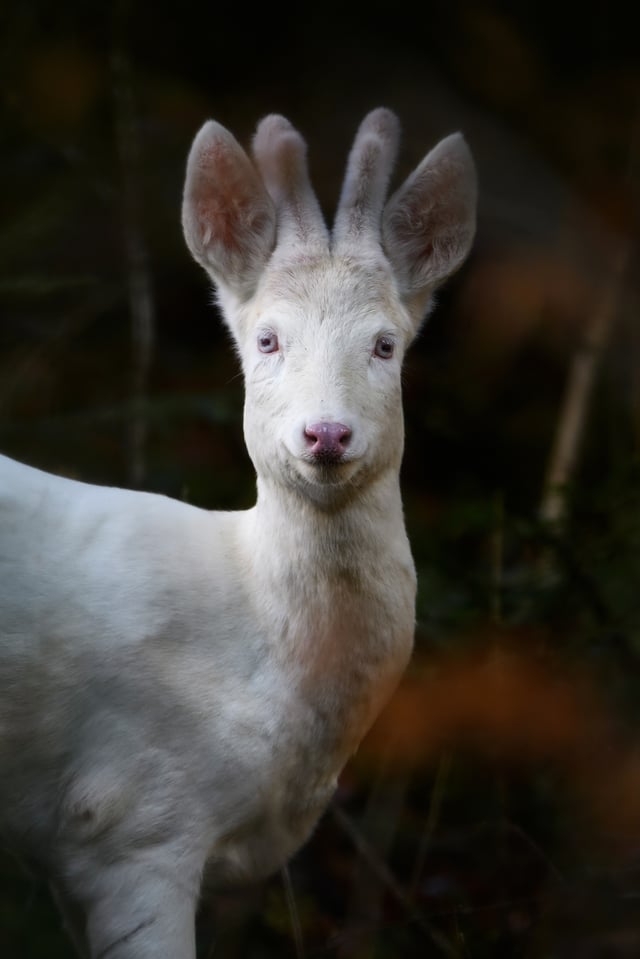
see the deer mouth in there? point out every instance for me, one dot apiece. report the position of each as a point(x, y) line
point(327, 469)
point(327, 458)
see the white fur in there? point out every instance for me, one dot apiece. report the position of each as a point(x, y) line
point(181, 688)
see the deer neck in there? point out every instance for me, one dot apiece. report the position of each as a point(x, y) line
point(335, 594)
point(359, 534)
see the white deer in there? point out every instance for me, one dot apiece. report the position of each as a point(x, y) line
point(179, 689)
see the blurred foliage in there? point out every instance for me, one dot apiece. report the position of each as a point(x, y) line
point(493, 811)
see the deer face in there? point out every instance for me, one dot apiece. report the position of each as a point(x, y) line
point(322, 350)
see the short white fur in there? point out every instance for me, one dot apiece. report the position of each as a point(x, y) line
point(181, 688)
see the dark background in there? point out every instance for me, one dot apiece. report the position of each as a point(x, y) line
point(494, 811)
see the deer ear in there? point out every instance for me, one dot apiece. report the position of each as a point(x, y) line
point(428, 224)
point(228, 218)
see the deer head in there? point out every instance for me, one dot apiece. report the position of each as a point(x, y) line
point(322, 319)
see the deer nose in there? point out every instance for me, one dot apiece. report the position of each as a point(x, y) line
point(327, 441)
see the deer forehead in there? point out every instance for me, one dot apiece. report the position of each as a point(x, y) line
point(336, 298)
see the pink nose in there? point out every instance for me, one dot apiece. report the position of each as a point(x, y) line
point(328, 441)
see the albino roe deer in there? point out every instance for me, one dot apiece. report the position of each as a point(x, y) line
point(179, 689)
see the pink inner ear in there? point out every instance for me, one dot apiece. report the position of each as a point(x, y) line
point(218, 221)
point(228, 203)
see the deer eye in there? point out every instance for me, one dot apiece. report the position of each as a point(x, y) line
point(268, 342)
point(384, 347)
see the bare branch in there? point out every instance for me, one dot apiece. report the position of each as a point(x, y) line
point(141, 300)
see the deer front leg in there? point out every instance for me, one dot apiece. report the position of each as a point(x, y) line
point(136, 909)
point(155, 920)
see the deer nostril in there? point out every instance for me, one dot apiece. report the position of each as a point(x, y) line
point(327, 440)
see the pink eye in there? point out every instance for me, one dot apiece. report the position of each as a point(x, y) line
point(384, 347)
point(268, 342)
